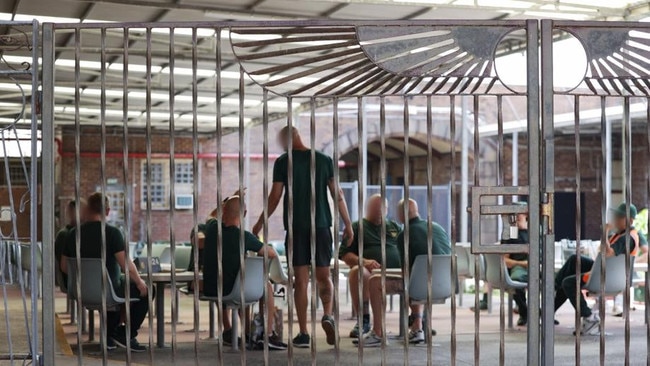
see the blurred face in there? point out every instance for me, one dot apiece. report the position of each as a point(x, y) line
point(71, 215)
point(283, 141)
point(400, 214)
point(374, 211)
point(620, 222)
point(522, 221)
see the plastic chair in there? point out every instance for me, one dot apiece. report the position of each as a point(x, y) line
point(156, 250)
point(465, 267)
point(615, 277)
point(253, 291)
point(441, 279)
point(497, 276)
point(276, 273)
point(182, 256)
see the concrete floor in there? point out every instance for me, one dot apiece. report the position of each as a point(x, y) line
point(206, 352)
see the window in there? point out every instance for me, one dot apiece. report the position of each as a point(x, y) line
point(159, 182)
point(14, 175)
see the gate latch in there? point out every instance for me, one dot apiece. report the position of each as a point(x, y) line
point(547, 211)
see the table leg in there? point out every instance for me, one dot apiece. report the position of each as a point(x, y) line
point(646, 296)
point(160, 314)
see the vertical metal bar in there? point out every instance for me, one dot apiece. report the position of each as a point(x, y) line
point(407, 242)
point(534, 190)
point(172, 189)
point(428, 312)
point(382, 182)
point(265, 195)
point(548, 182)
point(312, 214)
point(578, 292)
point(219, 163)
point(646, 285)
point(242, 252)
point(77, 189)
point(195, 184)
point(148, 220)
point(603, 240)
point(289, 245)
point(500, 160)
point(452, 234)
point(361, 195)
point(337, 239)
point(125, 176)
point(102, 178)
point(477, 267)
point(34, 201)
point(627, 182)
point(47, 161)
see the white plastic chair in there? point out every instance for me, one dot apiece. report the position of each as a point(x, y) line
point(276, 273)
point(465, 268)
point(441, 279)
point(615, 278)
point(253, 292)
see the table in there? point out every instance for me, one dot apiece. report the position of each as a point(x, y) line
point(160, 280)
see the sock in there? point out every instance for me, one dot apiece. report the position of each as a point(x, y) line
point(366, 318)
point(366, 308)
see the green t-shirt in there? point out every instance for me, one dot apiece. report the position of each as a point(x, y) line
point(302, 188)
point(59, 248)
point(230, 253)
point(619, 245)
point(91, 247)
point(522, 238)
point(418, 240)
point(372, 243)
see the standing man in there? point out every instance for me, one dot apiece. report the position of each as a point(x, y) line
point(517, 264)
point(370, 257)
point(61, 237)
point(418, 244)
point(301, 228)
point(116, 260)
point(565, 279)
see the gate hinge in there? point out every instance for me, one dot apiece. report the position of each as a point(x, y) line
point(547, 210)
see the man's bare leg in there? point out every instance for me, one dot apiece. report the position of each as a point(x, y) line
point(301, 275)
point(325, 289)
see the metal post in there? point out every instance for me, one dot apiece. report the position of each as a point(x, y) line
point(464, 170)
point(47, 156)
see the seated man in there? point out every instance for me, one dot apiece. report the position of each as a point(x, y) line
point(116, 259)
point(418, 245)
point(61, 237)
point(371, 256)
point(517, 264)
point(230, 262)
point(565, 280)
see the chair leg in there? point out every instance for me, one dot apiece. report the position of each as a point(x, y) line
point(510, 311)
point(489, 297)
point(402, 315)
point(461, 290)
point(91, 326)
point(211, 304)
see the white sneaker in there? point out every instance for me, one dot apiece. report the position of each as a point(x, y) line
point(416, 336)
point(370, 340)
point(590, 325)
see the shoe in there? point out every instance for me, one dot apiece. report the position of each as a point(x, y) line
point(619, 315)
point(416, 336)
point(556, 322)
point(354, 333)
point(275, 343)
point(588, 325)
point(522, 321)
point(110, 344)
point(226, 337)
point(302, 340)
point(120, 340)
point(482, 305)
point(327, 322)
point(369, 340)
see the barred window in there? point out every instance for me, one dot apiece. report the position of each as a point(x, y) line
point(160, 182)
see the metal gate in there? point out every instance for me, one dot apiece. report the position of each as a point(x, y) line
point(144, 99)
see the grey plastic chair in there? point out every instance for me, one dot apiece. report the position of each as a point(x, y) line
point(441, 279)
point(497, 276)
point(614, 276)
point(253, 291)
point(182, 256)
point(276, 273)
point(26, 264)
point(465, 267)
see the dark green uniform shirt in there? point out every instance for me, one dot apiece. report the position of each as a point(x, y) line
point(418, 240)
point(59, 248)
point(91, 247)
point(522, 238)
point(230, 252)
point(372, 243)
point(302, 188)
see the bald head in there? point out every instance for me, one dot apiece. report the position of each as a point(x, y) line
point(375, 208)
point(232, 211)
point(412, 210)
point(290, 133)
